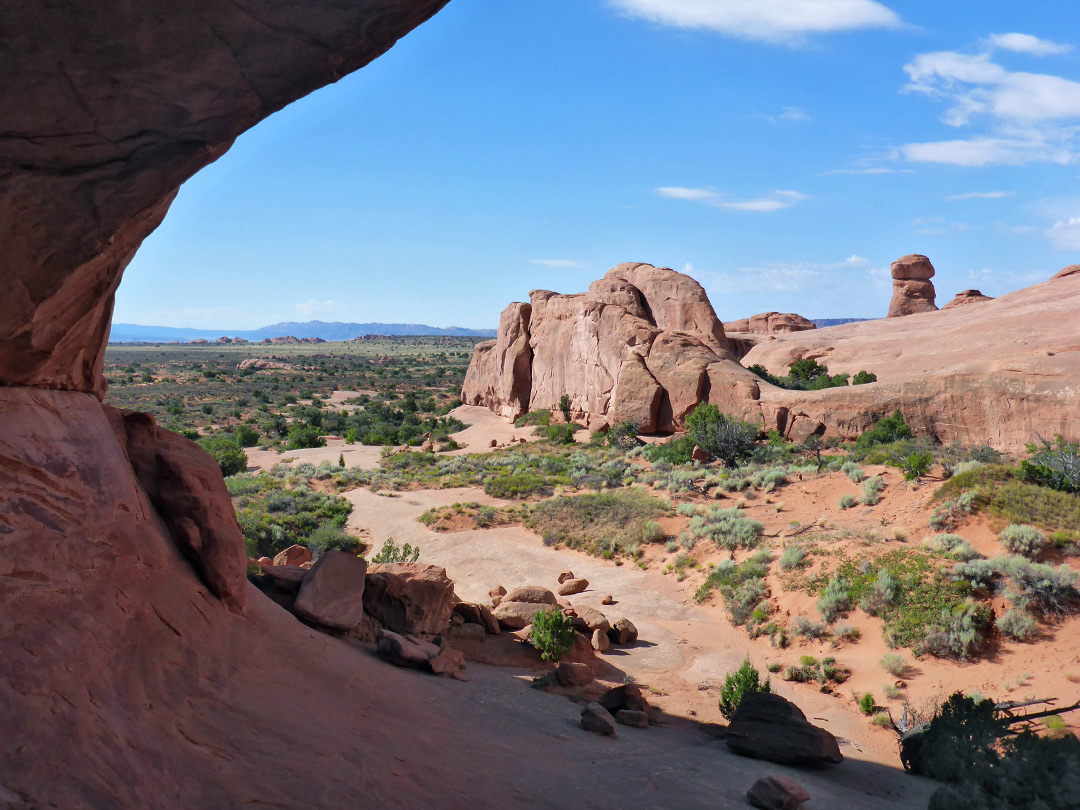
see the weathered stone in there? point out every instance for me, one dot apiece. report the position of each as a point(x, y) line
point(623, 632)
point(293, 555)
point(569, 673)
point(333, 592)
point(468, 631)
point(405, 652)
point(449, 663)
point(565, 575)
point(777, 792)
point(608, 599)
point(597, 719)
point(573, 586)
point(628, 717)
point(531, 593)
point(628, 696)
point(912, 267)
point(697, 454)
point(1071, 270)
point(965, 298)
point(410, 598)
point(769, 323)
point(516, 615)
point(500, 374)
point(589, 619)
point(497, 593)
point(488, 620)
point(766, 726)
point(912, 289)
point(600, 641)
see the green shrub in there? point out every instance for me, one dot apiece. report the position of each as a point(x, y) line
point(228, 454)
point(328, 537)
point(844, 631)
point(1021, 539)
point(553, 634)
point(519, 485)
point(541, 418)
point(885, 431)
point(978, 573)
point(722, 437)
point(302, 435)
point(560, 434)
point(893, 663)
point(1053, 465)
point(866, 703)
point(916, 465)
point(834, 601)
point(847, 501)
point(392, 553)
point(808, 629)
point(852, 471)
point(246, 436)
point(881, 593)
point(872, 489)
point(1043, 589)
point(863, 377)
point(1017, 624)
point(599, 523)
point(745, 679)
point(564, 406)
point(673, 451)
point(793, 557)
point(956, 633)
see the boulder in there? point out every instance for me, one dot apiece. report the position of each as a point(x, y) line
point(600, 641)
point(623, 632)
point(517, 615)
point(468, 612)
point(597, 719)
point(531, 593)
point(697, 454)
point(293, 555)
point(766, 726)
point(497, 593)
point(449, 663)
point(967, 297)
point(488, 620)
point(286, 577)
point(333, 592)
point(913, 291)
point(777, 792)
point(628, 696)
point(405, 652)
point(410, 598)
point(468, 631)
point(587, 619)
point(608, 599)
point(573, 586)
point(569, 673)
point(629, 717)
point(265, 561)
point(565, 575)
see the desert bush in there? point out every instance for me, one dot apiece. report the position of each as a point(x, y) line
point(956, 633)
point(540, 418)
point(722, 437)
point(328, 537)
point(844, 631)
point(834, 601)
point(564, 406)
point(1056, 466)
point(853, 471)
point(793, 557)
point(866, 703)
point(651, 532)
point(1017, 624)
point(552, 633)
point(886, 431)
point(847, 501)
point(673, 451)
point(978, 573)
point(802, 626)
point(728, 528)
point(519, 485)
point(915, 465)
point(894, 664)
point(624, 435)
point(1041, 588)
point(745, 679)
point(246, 436)
point(881, 593)
point(560, 434)
point(1025, 540)
point(871, 490)
point(228, 454)
point(392, 553)
point(863, 377)
point(729, 577)
point(604, 523)
point(301, 435)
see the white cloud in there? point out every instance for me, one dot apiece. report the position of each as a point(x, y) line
point(773, 201)
point(1032, 117)
point(1026, 43)
point(788, 277)
point(856, 261)
point(794, 114)
point(768, 20)
point(1065, 234)
point(873, 170)
point(564, 263)
point(980, 195)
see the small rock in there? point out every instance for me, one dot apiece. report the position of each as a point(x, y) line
point(531, 593)
point(623, 632)
point(571, 674)
point(597, 719)
point(600, 641)
point(493, 443)
point(699, 455)
point(265, 561)
point(469, 632)
point(607, 600)
point(449, 663)
point(627, 696)
point(572, 586)
point(488, 620)
point(565, 575)
point(777, 792)
point(404, 652)
point(629, 717)
point(496, 594)
point(293, 555)
point(427, 447)
point(588, 619)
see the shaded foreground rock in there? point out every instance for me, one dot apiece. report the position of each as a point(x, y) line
point(777, 792)
point(597, 719)
point(629, 717)
point(332, 594)
point(517, 615)
point(410, 598)
point(766, 726)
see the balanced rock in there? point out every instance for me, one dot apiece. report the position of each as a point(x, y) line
point(913, 291)
point(777, 792)
point(410, 597)
point(565, 575)
point(573, 586)
point(600, 641)
point(332, 594)
point(623, 632)
point(293, 555)
point(766, 726)
point(597, 719)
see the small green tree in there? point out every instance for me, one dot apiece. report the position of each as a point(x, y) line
point(864, 377)
point(390, 553)
point(341, 460)
point(553, 634)
point(624, 435)
point(246, 436)
point(229, 455)
point(916, 465)
point(564, 406)
point(745, 679)
point(807, 369)
point(722, 437)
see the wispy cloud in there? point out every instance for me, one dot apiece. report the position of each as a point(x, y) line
point(788, 277)
point(767, 20)
point(313, 308)
point(1031, 117)
point(872, 170)
point(980, 195)
point(773, 201)
point(564, 263)
point(1026, 43)
point(1065, 234)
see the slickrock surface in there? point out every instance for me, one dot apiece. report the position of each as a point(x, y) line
point(771, 323)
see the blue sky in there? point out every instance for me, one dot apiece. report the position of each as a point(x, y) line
point(783, 152)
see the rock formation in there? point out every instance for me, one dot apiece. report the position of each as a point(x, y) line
point(1071, 270)
point(771, 323)
point(642, 344)
point(966, 297)
point(913, 291)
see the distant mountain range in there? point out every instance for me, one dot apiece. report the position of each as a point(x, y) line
point(823, 322)
point(135, 333)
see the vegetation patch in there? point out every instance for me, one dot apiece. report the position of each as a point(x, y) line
point(472, 515)
point(607, 524)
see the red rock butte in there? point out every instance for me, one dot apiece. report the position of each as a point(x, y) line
point(645, 344)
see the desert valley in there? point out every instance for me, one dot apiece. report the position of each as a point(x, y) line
point(623, 554)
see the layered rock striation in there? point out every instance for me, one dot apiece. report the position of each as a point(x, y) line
point(913, 291)
point(771, 323)
point(642, 344)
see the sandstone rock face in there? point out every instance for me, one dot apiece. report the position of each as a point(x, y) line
point(293, 555)
point(128, 103)
point(913, 291)
point(642, 344)
point(410, 598)
point(777, 792)
point(333, 592)
point(967, 297)
point(767, 726)
point(770, 323)
point(1071, 270)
